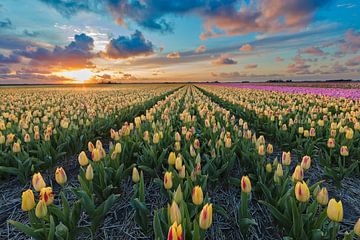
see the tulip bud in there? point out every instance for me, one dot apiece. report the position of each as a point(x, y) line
point(228, 142)
point(205, 218)
point(89, 174)
point(298, 174)
point(175, 232)
point(197, 195)
point(286, 158)
point(312, 132)
point(27, 138)
point(2, 139)
point(178, 195)
point(301, 130)
point(38, 182)
point(279, 170)
point(331, 143)
point(302, 192)
point(41, 209)
point(182, 172)
point(156, 138)
point(306, 162)
point(137, 122)
point(90, 146)
point(135, 175)
point(261, 150)
point(174, 212)
point(335, 210)
point(47, 195)
point(60, 176)
point(118, 148)
point(196, 144)
point(270, 148)
point(168, 180)
point(177, 146)
point(171, 158)
point(268, 168)
point(83, 159)
point(95, 155)
point(177, 137)
point(357, 228)
point(349, 134)
point(306, 133)
point(344, 151)
point(322, 196)
point(146, 136)
point(245, 184)
point(27, 200)
point(16, 147)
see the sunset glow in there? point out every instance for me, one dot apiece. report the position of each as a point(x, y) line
point(81, 75)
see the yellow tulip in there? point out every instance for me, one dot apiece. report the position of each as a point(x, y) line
point(301, 130)
point(177, 146)
point(228, 142)
point(89, 174)
point(270, 148)
point(172, 158)
point(268, 168)
point(135, 175)
point(245, 184)
point(60, 176)
point(146, 136)
point(357, 228)
point(331, 143)
point(41, 209)
point(182, 172)
point(197, 195)
point(344, 151)
point(205, 218)
point(168, 180)
point(118, 148)
point(349, 134)
point(302, 192)
point(261, 150)
point(47, 195)
point(38, 182)
point(322, 196)
point(175, 232)
point(156, 138)
point(95, 155)
point(178, 162)
point(83, 159)
point(335, 210)
point(279, 170)
point(174, 212)
point(177, 137)
point(286, 158)
point(27, 200)
point(306, 162)
point(16, 147)
point(298, 174)
point(90, 146)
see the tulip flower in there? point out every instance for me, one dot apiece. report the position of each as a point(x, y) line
point(137, 122)
point(335, 210)
point(16, 147)
point(306, 162)
point(38, 182)
point(331, 143)
point(60, 176)
point(268, 168)
point(177, 137)
point(178, 195)
point(261, 150)
point(286, 158)
point(27, 138)
point(41, 209)
point(357, 228)
point(270, 149)
point(174, 212)
point(205, 218)
point(197, 195)
point(344, 151)
point(301, 130)
point(168, 180)
point(322, 197)
point(302, 192)
point(172, 158)
point(177, 146)
point(228, 142)
point(349, 134)
point(146, 136)
point(156, 138)
point(90, 146)
point(175, 232)
point(95, 155)
point(27, 200)
point(298, 174)
point(135, 175)
point(83, 159)
point(279, 170)
point(89, 174)
point(47, 195)
point(182, 172)
point(245, 184)
point(196, 144)
point(306, 133)
point(178, 162)
point(118, 148)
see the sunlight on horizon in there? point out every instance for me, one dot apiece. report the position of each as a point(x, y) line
point(78, 75)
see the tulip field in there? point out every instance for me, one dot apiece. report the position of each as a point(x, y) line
point(179, 161)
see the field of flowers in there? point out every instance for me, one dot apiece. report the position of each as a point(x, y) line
point(178, 162)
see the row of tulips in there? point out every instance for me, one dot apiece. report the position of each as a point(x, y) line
point(288, 196)
point(325, 128)
point(36, 132)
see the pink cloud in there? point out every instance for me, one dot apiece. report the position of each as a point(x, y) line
point(313, 51)
point(200, 49)
point(224, 60)
point(279, 59)
point(246, 48)
point(251, 66)
point(352, 42)
point(173, 55)
point(353, 62)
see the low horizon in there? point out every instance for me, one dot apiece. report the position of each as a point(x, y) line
point(82, 41)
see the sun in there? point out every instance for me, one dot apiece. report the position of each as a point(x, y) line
point(81, 75)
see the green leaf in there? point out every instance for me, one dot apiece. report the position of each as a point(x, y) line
point(52, 229)
point(25, 229)
point(297, 221)
point(282, 219)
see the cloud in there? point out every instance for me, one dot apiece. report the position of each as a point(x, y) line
point(236, 75)
point(351, 42)
point(200, 49)
point(246, 48)
point(125, 47)
point(313, 51)
point(30, 33)
point(251, 66)
point(279, 59)
point(224, 60)
point(232, 17)
point(353, 62)
point(173, 55)
point(12, 58)
point(6, 23)
point(5, 70)
point(73, 56)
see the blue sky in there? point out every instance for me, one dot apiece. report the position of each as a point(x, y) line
point(65, 41)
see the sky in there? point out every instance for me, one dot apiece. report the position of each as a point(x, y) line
point(77, 41)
